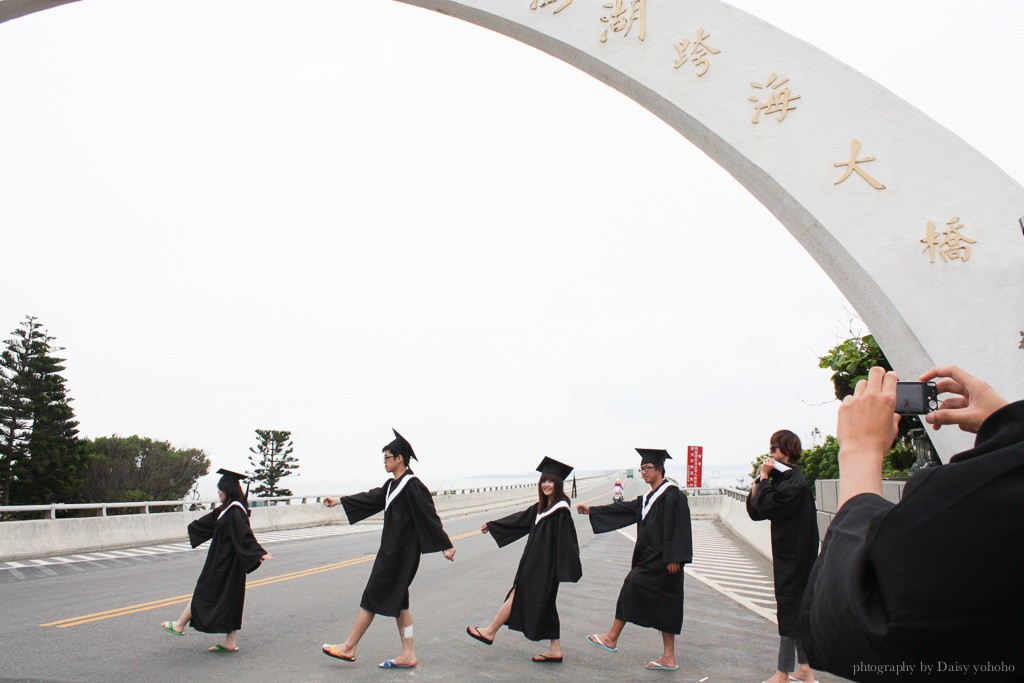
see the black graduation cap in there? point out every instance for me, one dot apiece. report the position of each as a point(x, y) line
point(552, 466)
point(233, 479)
point(401, 447)
point(653, 456)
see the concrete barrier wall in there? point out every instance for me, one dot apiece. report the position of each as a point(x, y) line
point(758, 535)
point(40, 538)
point(46, 537)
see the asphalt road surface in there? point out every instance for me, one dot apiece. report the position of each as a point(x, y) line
point(99, 620)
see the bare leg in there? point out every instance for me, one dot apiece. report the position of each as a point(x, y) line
point(499, 619)
point(408, 656)
point(186, 616)
point(611, 639)
point(668, 656)
point(555, 651)
point(231, 640)
point(363, 620)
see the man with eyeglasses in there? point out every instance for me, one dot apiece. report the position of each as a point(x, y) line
point(411, 528)
point(652, 594)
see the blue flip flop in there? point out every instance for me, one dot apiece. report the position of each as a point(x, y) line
point(595, 640)
point(654, 666)
point(390, 664)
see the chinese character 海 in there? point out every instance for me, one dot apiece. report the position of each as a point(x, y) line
point(951, 245)
point(779, 101)
point(698, 54)
point(623, 14)
point(854, 165)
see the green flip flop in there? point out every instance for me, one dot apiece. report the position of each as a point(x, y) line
point(218, 648)
point(169, 627)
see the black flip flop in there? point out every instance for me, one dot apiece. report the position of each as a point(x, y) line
point(541, 659)
point(477, 636)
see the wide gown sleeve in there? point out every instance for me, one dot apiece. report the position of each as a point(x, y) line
point(359, 506)
point(569, 568)
point(936, 576)
point(246, 548)
point(605, 518)
point(774, 499)
point(201, 530)
point(429, 532)
point(510, 529)
point(677, 535)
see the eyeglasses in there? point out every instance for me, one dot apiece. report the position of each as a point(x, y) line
point(772, 448)
point(647, 468)
point(388, 457)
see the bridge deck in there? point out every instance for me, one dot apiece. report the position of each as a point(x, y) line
point(93, 618)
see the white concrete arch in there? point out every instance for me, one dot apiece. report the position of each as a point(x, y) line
point(957, 299)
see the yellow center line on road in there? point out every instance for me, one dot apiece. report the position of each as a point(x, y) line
point(182, 599)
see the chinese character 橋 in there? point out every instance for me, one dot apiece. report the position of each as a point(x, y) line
point(541, 4)
point(951, 245)
point(854, 165)
point(698, 54)
point(779, 101)
point(623, 14)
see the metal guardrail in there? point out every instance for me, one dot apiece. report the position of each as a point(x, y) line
point(146, 507)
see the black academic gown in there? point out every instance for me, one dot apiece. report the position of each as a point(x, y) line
point(650, 596)
point(219, 596)
point(936, 579)
point(551, 556)
point(785, 499)
point(411, 527)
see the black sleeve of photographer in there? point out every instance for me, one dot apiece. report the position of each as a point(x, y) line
point(933, 579)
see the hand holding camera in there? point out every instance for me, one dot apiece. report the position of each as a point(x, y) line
point(974, 401)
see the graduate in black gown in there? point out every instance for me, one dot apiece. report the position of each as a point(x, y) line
point(219, 596)
point(411, 528)
point(551, 556)
point(652, 594)
point(934, 581)
point(781, 494)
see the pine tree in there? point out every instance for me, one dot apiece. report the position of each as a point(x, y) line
point(273, 450)
point(15, 411)
point(48, 461)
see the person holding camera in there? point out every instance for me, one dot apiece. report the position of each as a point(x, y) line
point(780, 493)
point(929, 587)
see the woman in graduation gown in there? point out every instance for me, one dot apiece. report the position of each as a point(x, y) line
point(932, 582)
point(652, 594)
point(219, 596)
point(781, 494)
point(551, 556)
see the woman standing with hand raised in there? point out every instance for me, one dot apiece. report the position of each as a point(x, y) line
point(551, 556)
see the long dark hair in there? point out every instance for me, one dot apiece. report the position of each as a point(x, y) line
point(559, 493)
point(232, 489)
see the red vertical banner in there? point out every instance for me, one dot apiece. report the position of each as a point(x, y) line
point(694, 466)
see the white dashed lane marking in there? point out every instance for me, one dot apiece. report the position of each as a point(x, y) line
point(264, 538)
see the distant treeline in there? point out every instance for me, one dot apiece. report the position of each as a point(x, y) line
point(42, 458)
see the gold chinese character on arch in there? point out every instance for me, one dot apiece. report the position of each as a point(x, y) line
point(854, 165)
point(541, 4)
point(778, 102)
point(622, 15)
point(951, 244)
point(697, 52)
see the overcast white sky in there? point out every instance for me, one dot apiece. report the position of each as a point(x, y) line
point(335, 217)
